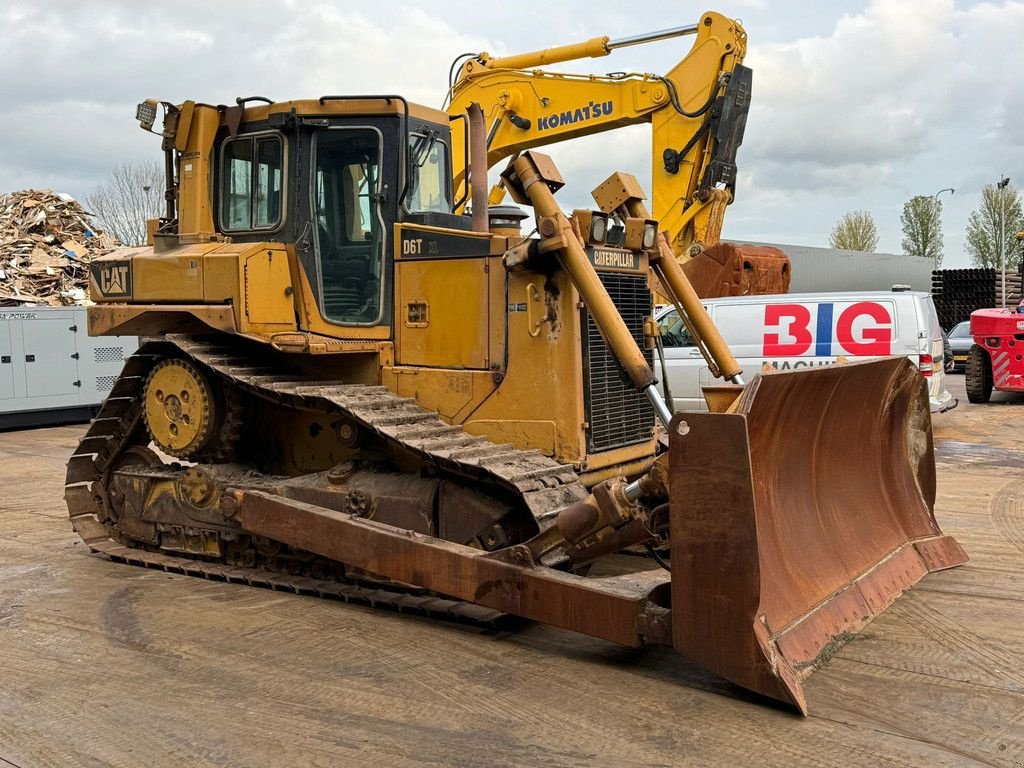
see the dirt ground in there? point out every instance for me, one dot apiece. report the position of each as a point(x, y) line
point(105, 664)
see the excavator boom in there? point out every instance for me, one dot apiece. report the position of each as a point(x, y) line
point(697, 113)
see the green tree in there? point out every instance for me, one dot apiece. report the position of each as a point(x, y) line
point(856, 231)
point(922, 228)
point(999, 217)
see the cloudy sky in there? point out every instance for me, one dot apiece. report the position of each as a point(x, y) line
point(856, 104)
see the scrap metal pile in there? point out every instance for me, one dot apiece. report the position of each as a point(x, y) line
point(46, 244)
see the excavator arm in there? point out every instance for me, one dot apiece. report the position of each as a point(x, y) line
point(697, 114)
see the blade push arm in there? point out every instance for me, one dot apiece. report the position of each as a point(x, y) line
point(697, 116)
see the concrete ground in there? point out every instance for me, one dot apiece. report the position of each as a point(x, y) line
point(105, 664)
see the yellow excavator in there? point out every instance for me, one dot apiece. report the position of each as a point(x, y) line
point(347, 389)
point(697, 113)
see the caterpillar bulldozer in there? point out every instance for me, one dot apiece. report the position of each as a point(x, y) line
point(697, 112)
point(346, 389)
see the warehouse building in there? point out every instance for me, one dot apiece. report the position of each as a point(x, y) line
point(831, 269)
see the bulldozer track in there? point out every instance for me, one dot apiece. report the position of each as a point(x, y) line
point(540, 482)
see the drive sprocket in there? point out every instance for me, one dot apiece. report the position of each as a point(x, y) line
point(182, 411)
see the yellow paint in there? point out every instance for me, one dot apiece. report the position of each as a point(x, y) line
point(452, 393)
point(179, 408)
point(312, 319)
point(198, 125)
point(455, 293)
point(524, 433)
point(543, 380)
point(497, 351)
point(514, 84)
point(268, 290)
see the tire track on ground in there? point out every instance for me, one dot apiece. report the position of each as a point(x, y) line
point(1007, 511)
point(997, 664)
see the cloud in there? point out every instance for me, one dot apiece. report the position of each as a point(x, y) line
point(887, 85)
point(861, 109)
point(902, 98)
point(69, 117)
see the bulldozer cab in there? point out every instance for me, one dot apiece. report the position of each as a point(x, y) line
point(314, 187)
point(366, 173)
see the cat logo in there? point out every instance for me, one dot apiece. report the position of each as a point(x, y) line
point(614, 259)
point(113, 278)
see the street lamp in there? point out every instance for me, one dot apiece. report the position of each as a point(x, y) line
point(935, 201)
point(1001, 186)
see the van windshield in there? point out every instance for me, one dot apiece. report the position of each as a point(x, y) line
point(673, 332)
point(961, 330)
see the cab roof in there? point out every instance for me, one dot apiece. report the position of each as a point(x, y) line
point(345, 105)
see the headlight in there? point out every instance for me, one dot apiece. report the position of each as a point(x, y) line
point(593, 225)
point(145, 113)
point(650, 235)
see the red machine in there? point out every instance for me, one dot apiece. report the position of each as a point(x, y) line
point(996, 360)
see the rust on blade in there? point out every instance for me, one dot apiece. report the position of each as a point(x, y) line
point(800, 517)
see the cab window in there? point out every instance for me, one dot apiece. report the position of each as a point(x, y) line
point(348, 233)
point(428, 175)
point(252, 172)
point(673, 332)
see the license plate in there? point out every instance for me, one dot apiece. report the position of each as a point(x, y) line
point(960, 358)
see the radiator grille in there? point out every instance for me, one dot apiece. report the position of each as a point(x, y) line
point(109, 354)
point(105, 383)
point(616, 412)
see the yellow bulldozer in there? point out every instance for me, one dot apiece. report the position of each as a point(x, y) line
point(697, 113)
point(347, 389)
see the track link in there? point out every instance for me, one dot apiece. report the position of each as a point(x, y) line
point(540, 482)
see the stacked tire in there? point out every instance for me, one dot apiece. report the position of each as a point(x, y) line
point(978, 375)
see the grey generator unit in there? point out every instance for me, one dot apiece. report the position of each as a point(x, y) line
point(51, 370)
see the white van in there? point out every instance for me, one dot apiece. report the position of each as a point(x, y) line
point(799, 330)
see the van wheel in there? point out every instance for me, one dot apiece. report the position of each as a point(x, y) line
point(978, 375)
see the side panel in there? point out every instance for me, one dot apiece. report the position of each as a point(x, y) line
point(171, 277)
point(269, 302)
point(51, 370)
point(796, 334)
point(100, 359)
point(686, 374)
point(539, 402)
point(6, 361)
point(443, 313)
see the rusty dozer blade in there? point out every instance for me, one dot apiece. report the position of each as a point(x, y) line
point(799, 517)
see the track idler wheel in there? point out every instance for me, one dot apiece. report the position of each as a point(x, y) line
point(182, 412)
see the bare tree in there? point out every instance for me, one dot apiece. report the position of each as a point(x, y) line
point(856, 231)
point(131, 194)
point(999, 215)
point(922, 228)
